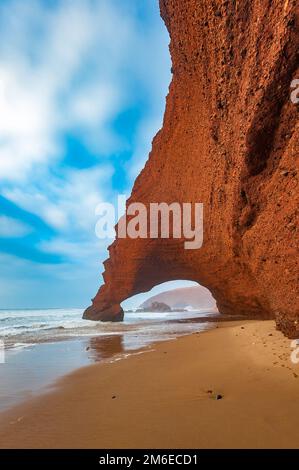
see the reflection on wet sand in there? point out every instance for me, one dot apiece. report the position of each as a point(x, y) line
point(105, 347)
point(50, 353)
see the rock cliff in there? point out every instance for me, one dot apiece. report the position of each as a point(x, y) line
point(230, 140)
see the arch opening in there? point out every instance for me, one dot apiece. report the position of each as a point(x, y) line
point(178, 295)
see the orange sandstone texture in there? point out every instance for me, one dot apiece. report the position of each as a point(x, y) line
point(229, 140)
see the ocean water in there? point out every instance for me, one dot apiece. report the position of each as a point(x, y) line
point(25, 328)
point(40, 346)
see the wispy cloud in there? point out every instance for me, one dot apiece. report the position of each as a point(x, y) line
point(70, 69)
point(10, 228)
point(66, 203)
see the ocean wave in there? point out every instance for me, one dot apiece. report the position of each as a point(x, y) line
point(24, 327)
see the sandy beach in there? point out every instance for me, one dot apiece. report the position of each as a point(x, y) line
point(233, 386)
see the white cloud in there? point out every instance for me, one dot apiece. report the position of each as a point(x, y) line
point(82, 251)
point(70, 68)
point(94, 106)
point(11, 228)
point(25, 130)
point(66, 204)
point(38, 98)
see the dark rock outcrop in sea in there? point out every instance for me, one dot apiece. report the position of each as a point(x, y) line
point(155, 307)
point(230, 140)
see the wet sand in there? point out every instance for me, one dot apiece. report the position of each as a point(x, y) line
point(167, 398)
point(43, 357)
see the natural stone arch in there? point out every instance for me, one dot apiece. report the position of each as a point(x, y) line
point(223, 114)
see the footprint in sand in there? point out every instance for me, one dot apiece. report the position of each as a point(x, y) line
point(18, 420)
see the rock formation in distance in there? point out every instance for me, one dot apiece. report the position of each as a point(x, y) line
point(229, 140)
point(155, 306)
point(195, 297)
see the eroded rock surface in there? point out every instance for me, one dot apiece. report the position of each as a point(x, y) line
point(230, 140)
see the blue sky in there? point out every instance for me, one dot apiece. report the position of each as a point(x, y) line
point(82, 93)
